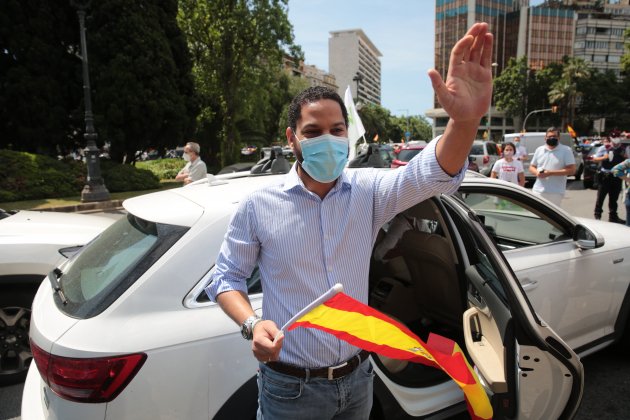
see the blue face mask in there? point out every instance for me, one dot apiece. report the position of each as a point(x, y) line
point(324, 157)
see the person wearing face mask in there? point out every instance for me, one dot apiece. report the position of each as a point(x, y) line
point(521, 152)
point(622, 171)
point(608, 155)
point(195, 168)
point(551, 164)
point(508, 168)
point(316, 226)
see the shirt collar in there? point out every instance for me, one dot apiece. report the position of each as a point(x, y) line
point(292, 180)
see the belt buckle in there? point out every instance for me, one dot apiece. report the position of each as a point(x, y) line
point(332, 369)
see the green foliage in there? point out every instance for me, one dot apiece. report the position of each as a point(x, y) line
point(40, 77)
point(118, 177)
point(26, 176)
point(162, 168)
point(625, 58)
point(237, 48)
point(511, 87)
point(143, 87)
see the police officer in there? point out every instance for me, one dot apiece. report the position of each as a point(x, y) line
point(609, 154)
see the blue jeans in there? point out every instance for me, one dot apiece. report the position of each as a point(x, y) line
point(283, 396)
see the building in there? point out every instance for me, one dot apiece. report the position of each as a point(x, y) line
point(355, 61)
point(599, 34)
point(314, 75)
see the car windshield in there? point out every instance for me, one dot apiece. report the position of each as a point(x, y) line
point(406, 155)
point(105, 268)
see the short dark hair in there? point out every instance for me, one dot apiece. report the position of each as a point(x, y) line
point(553, 130)
point(310, 95)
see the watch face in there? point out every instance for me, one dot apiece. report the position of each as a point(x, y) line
point(245, 331)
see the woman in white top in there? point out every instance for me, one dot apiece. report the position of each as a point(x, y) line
point(508, 168)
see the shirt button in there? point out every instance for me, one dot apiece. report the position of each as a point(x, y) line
point(330, 270)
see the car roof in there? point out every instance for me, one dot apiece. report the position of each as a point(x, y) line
point(219, 198)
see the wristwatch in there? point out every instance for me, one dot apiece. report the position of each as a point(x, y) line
point(247, 328)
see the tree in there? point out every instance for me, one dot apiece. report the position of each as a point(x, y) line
point(565, 91)
point(376, 121)
point(510, 88)
point(237, 48)
point(40, 77)
point(141, 71)
point(625, 58)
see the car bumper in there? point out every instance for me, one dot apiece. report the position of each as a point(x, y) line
point(33, 405)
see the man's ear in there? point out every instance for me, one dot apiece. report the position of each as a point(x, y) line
point(290, 136)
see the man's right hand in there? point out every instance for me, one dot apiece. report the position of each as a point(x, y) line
point(265, 346)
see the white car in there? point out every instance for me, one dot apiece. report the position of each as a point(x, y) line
point(125, 330)
point(29, 249)
point(484, 153)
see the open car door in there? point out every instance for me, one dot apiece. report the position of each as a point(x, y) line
point(526, 369)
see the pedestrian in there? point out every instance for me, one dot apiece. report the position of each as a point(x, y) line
point(195, 168)
point(608, 155)
point(521, 152)
point(551, 164)
point(622, 170)
point(508, 168)
point(316, 226)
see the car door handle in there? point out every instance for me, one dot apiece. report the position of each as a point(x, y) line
point(617, 260)
point(529, 284)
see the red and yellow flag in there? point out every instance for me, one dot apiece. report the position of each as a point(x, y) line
point(369, 329)
point(571, 131)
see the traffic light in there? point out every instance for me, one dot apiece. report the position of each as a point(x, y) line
point(554, 108)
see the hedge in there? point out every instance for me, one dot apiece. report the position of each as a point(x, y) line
point(27, 176)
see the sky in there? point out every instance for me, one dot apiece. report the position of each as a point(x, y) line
point(402, 30)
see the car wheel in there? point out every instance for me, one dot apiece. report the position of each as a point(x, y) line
point(15, 319)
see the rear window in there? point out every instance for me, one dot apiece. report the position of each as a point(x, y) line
point(110, 264)
point(492, 149)
point(406, 155)
point(476, 149)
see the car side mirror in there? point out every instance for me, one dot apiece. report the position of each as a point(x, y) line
point(586, 238)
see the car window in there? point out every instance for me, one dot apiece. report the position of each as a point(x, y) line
point(406, 155)
point(106, 267)
point(476, 149)
point(492, 149)
point(254, 285)
point(512, 224)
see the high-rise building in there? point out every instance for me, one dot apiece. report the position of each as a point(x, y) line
point(355, 61)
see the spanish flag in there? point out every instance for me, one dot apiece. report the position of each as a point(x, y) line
point(360, 325)
point(571, 131)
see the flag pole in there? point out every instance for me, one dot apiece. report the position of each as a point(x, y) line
point(337, 288)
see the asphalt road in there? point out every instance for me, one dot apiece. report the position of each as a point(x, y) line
point(607, 373)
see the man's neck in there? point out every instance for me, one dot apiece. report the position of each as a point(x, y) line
point(316, 187)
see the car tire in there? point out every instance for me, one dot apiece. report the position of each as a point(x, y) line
point(15, 319)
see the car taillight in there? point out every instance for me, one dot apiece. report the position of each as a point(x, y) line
point(94, 380)
point(486, 159)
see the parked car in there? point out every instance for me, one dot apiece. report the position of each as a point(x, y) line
point(531, 141)
point(125, 330)
point(407, 152)
point(472, 164)
point(32, 243)
point(591, 168)
point(484, 153)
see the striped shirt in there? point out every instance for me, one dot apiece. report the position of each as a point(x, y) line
point(303, 245)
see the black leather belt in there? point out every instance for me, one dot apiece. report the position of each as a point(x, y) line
point(332, 372)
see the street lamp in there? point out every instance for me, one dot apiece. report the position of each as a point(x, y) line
point(489, 122)
point(94, 189)
point(358, 78)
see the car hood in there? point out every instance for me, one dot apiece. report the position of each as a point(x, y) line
point(615, 235)
point(42, 227)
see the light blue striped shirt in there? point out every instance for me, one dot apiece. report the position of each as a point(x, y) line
point(303, 245)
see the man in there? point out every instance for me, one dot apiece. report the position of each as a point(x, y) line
point(316, 227)
point(195, 168)
point(551, 164)
point(521, 151)
point(609, 154)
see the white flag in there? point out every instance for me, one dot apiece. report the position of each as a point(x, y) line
point(355, 126)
